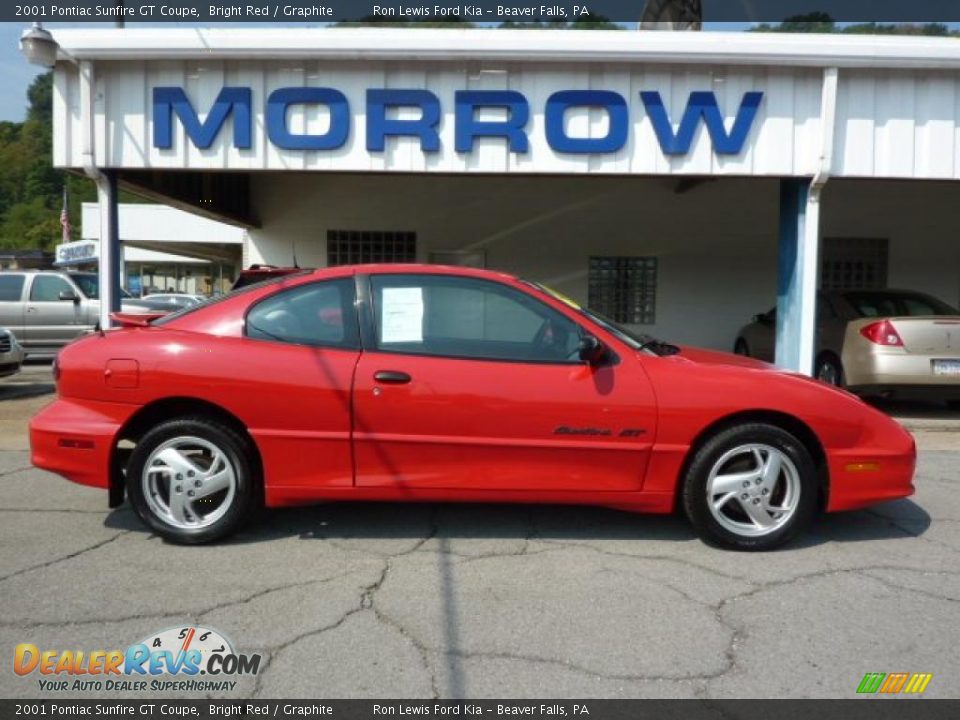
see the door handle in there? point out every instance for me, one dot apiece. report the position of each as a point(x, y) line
point(391, 377)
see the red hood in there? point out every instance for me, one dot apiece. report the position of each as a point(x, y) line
point(715, 357)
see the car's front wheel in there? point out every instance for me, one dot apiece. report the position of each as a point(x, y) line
point(750, 487)
point(192, 480)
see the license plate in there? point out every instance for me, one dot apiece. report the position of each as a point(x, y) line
point(946, 367)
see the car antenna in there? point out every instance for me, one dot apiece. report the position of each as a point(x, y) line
point(295, 264)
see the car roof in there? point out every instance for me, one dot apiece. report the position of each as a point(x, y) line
point(411, 269)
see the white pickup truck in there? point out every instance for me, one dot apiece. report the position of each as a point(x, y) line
point(46, 309)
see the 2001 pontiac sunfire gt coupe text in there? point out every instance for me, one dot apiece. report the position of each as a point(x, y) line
point(410, 382)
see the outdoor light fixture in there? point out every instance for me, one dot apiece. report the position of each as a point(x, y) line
point(38, 46)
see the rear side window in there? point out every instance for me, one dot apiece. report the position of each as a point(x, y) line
point(11, 288)
point(47, 288)
point(320, 314)
point(897, 304)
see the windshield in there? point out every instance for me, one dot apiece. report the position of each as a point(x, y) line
point(89, 285)
point(633, 339)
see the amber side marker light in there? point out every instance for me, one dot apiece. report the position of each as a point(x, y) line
point(77, 444)
point(862, 466)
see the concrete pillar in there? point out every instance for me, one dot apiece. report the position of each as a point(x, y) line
point(798, 275)
point(109, 247)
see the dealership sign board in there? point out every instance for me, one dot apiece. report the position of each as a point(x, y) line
point(675, 135)
point(77, 253)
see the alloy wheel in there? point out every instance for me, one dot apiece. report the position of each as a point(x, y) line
point(753, 490)
point(189, 482)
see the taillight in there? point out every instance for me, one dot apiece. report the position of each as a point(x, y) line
point(882, 333)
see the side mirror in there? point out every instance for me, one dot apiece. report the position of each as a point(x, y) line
point(70, 295)
point(592, 351)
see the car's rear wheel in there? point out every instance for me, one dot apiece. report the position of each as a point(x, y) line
point(193, 480)
point(829, 370)
point(750, 487)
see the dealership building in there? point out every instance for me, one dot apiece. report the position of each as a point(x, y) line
point(677, 182)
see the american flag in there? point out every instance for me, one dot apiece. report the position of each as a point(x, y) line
point(65, 218)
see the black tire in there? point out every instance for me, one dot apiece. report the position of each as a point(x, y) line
point(695, 494)
point(829, 370)
point(238, 452)
point(740, 347)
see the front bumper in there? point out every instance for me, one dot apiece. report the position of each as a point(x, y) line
point(878, 468)
point(75, 439)
point(11, 360)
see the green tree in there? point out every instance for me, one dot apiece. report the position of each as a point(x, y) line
point(822, 23)
point(31, 189)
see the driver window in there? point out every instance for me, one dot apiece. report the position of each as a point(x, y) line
point(47, 288)
point(469, 318)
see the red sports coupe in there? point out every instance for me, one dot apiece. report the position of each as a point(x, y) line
point(427, 383)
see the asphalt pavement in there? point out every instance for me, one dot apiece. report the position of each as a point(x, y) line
point(354, 600)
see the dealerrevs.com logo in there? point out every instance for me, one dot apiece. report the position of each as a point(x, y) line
point(894, 683)
point(171, 660)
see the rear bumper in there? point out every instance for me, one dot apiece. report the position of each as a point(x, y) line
point(879, 468)
point(75, 438)
point(876, 367)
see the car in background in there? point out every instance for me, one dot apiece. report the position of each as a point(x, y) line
point(875, 342)
point(168, 302)
point(11, 354)
point(46, 309)
point(398, 382)
point(258, 273)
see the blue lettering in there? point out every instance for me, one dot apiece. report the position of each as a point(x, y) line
point(613, 103)
point(170, 100)
point(424, 127)
point(468, 127)
point(134, 658)
point(191, 662)
point(701, 105)
point(279, 132)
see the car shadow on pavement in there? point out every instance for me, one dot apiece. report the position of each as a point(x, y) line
point(408, 523)
point(16, 391)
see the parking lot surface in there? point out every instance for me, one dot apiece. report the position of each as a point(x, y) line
point(450, 601)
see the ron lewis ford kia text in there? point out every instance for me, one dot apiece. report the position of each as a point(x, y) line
point(425, 383)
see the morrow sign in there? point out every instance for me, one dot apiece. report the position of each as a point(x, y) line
point(381, 123)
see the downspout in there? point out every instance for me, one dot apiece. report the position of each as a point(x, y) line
point(810, 242)
point(828, 130)
point(106, 193)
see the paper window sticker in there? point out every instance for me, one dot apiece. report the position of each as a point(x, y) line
point(402, 315)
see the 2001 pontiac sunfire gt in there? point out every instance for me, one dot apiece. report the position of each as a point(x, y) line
point(410, 382)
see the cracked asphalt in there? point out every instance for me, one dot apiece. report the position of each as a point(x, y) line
point(356, 601)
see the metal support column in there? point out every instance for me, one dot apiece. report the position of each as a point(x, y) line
point(109, 246)
point(798, 275)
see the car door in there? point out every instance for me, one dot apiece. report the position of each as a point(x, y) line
point(11, 303)
point(299, 353)
point(49, 320)
point(468, 383)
